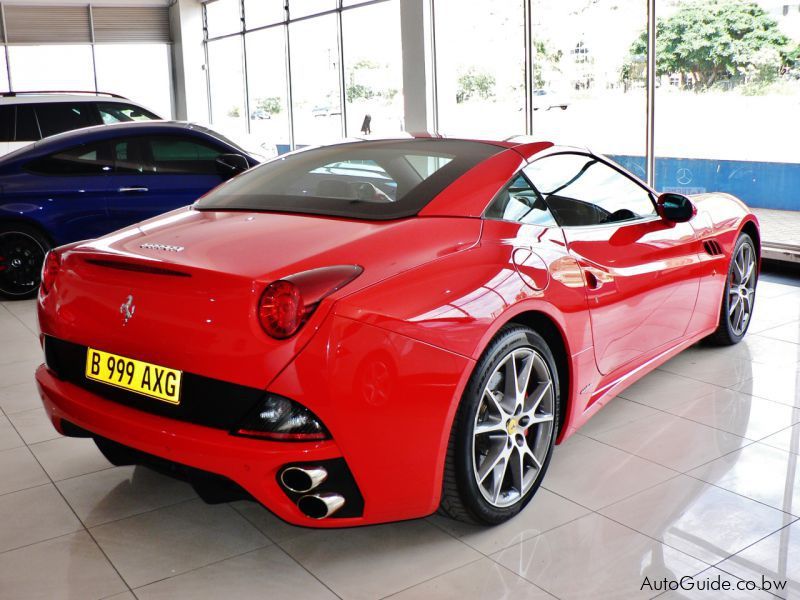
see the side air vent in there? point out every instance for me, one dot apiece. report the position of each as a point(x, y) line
point(138, 267)
point(712, 247)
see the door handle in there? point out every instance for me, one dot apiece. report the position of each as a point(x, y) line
point(133, 189)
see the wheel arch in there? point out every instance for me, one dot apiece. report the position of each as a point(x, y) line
point(751, 229)
point(30, 223)
point(546, 326)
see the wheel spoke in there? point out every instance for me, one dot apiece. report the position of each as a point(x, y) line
point(494, 402)
point(490, 463)
point(517, 466)
point(498, 477)
point(489, 427)
point(540, 393)
point(523, 378)
point(735, 304)
point(738, 268)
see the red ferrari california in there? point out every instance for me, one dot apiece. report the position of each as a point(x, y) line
point(375, 330)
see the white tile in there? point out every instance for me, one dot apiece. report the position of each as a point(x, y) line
point(780, 384)
point(8, 435)
point(594, 474)
point(275, 529)
point(719, 366)
point(20, 396)
point(787, 439)
point(790, 332)
point(747, 416)
point(34, 426)
point(373, 562)
point(265, 573)
point(19, 470)
point(482, 580)
point(595, 557)
point(618, 411)
point(121, 492)
point(33, 515)
point(70, 567)
point(23, 349)
point(760, 472)
point(776, 558)
point(544, 512)
point(176, 539)
point(663, 390)
point(12, 374)
point(67, 457)
point(698, 519)
point(671, 441)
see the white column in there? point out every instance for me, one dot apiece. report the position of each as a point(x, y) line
point(188, 61)
point(415, 64)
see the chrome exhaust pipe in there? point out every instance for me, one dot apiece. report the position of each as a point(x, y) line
point(301, 480)
point(320, 506)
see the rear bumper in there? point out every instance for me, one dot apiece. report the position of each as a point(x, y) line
point(253, 464)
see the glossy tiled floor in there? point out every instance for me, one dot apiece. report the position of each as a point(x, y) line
point(694, 470)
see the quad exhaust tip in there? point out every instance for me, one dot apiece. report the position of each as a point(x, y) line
point(302, 479)
point(320, 506)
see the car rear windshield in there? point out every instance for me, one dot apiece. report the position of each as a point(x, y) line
point(375, 180)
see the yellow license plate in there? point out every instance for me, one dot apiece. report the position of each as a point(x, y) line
point(137, 376)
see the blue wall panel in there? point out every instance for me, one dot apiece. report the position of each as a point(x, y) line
point(759, 184)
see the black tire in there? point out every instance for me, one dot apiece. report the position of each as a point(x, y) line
point(727, 332)
point(22, 252)
point(462, 499)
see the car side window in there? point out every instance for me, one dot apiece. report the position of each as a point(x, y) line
point(117, 112)
point(519, 202)
point(86, 159)
point(26, 129)
point(128, 155)
point(582, 190)
point(175, 154)
point(65, 116)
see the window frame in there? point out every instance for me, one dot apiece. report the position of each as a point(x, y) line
point(652, 194)
point(520, 173)
point(26, 167)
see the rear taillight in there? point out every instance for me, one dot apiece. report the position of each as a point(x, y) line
point(52, 264)
point(286, 304)
point(281, 419)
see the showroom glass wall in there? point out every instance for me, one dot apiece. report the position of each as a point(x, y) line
point(103, 49)
point(304, 72)
point(726, 88)
point(725, 85)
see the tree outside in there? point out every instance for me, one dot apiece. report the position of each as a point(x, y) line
point(718, 43)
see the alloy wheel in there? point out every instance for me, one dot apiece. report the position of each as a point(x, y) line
point(513, 427)
point(21, 258)
point(741, 288)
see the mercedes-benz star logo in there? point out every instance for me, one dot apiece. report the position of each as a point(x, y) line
point(127, 309)
point(684, 176)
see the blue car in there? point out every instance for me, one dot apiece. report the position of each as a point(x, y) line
point(88, 182)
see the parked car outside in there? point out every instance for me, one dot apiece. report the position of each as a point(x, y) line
point(89, 182)
point(27, 117)
point(547, 99)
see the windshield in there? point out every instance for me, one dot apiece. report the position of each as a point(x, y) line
point(373, 180)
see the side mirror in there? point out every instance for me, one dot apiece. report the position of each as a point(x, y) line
point(675, 208)
point(229, 165)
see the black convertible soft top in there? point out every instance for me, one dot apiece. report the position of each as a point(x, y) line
point(371, 180)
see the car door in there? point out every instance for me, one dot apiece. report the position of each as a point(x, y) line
point(68, 189)
point(641, 271)
point(156, 174)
